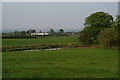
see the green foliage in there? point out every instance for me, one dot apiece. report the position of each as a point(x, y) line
point(52, 32)
point(85, 37)
point(23, 32)
point(116, 24)
point(93, 25)
point(18, 36)
point(15, 33)
point(99, 19)
point(19, 33)
point(65, 63)
point(61, 31)
point(108, 37)
point(31, 31)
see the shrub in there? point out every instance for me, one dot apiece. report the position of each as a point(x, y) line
point(85, 38)
point(108, 37)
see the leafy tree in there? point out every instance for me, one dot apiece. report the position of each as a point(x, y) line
point(31, 31)
point(94, 24)
point(99, 19)
point(85, 37)
point(116, 27)
point(61, 31)
point(16, 33)
point(40, 31)
point(23, 33)
point(51, 32)
point(116, 24)
point(108, 37)
point(93, 31)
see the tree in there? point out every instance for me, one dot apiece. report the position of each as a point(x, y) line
point(23, 33)
point(51, 32)
point(108, 37)
point(31, 31)
point(61, 31)
point(16, 33)
point(116, 24)
point(116, 27)
point(93, 31)
point(94, 24)
point(99, 19)
point(40, 31)
point(85, 37)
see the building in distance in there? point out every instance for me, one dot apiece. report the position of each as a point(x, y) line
point(44, 33)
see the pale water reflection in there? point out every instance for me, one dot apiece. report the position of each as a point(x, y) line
point(45, 49)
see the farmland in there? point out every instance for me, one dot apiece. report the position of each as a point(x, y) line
point(64, 63)
point(40, 41)
point(54, 41)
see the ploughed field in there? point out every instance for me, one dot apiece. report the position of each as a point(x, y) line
point(40, 41)
point(64, 63)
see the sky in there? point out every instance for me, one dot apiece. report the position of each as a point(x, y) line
point(0, 17)
point(119, 8)
point(21, 16)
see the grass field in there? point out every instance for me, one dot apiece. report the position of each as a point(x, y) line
point(64, 63)
point(39, 41)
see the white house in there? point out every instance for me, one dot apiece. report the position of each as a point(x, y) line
point(45, 33)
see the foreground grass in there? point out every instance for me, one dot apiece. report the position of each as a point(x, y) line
point(66, 63)
point(39, 41)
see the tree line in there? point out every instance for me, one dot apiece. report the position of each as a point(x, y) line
point(27, 34)
point(100, 28)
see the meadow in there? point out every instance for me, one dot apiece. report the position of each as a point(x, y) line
point(64, 63)
point(40, 41)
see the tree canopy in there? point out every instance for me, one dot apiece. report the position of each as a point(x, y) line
point(93, 25)
point(110, 36)
point(99, 19)
point(116, 24)
point(52, 32)
point(61, 31)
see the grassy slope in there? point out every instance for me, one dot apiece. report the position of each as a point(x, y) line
point(66, 63)
point(47, 40)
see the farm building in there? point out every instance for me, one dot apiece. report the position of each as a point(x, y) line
point(45, 33)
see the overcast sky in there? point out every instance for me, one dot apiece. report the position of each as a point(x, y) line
point(0, 17)
point(18, 16)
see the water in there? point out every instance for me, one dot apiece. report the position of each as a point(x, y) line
point(45, 49)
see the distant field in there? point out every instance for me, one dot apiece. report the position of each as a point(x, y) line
point(65, 63)
point(39, 41)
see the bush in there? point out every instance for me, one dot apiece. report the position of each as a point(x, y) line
point(17, 37)
point(85, 38)
point(108, 37)
point(44, 47)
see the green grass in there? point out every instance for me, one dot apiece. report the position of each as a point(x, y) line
point(39, 41)
point(65, 63)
